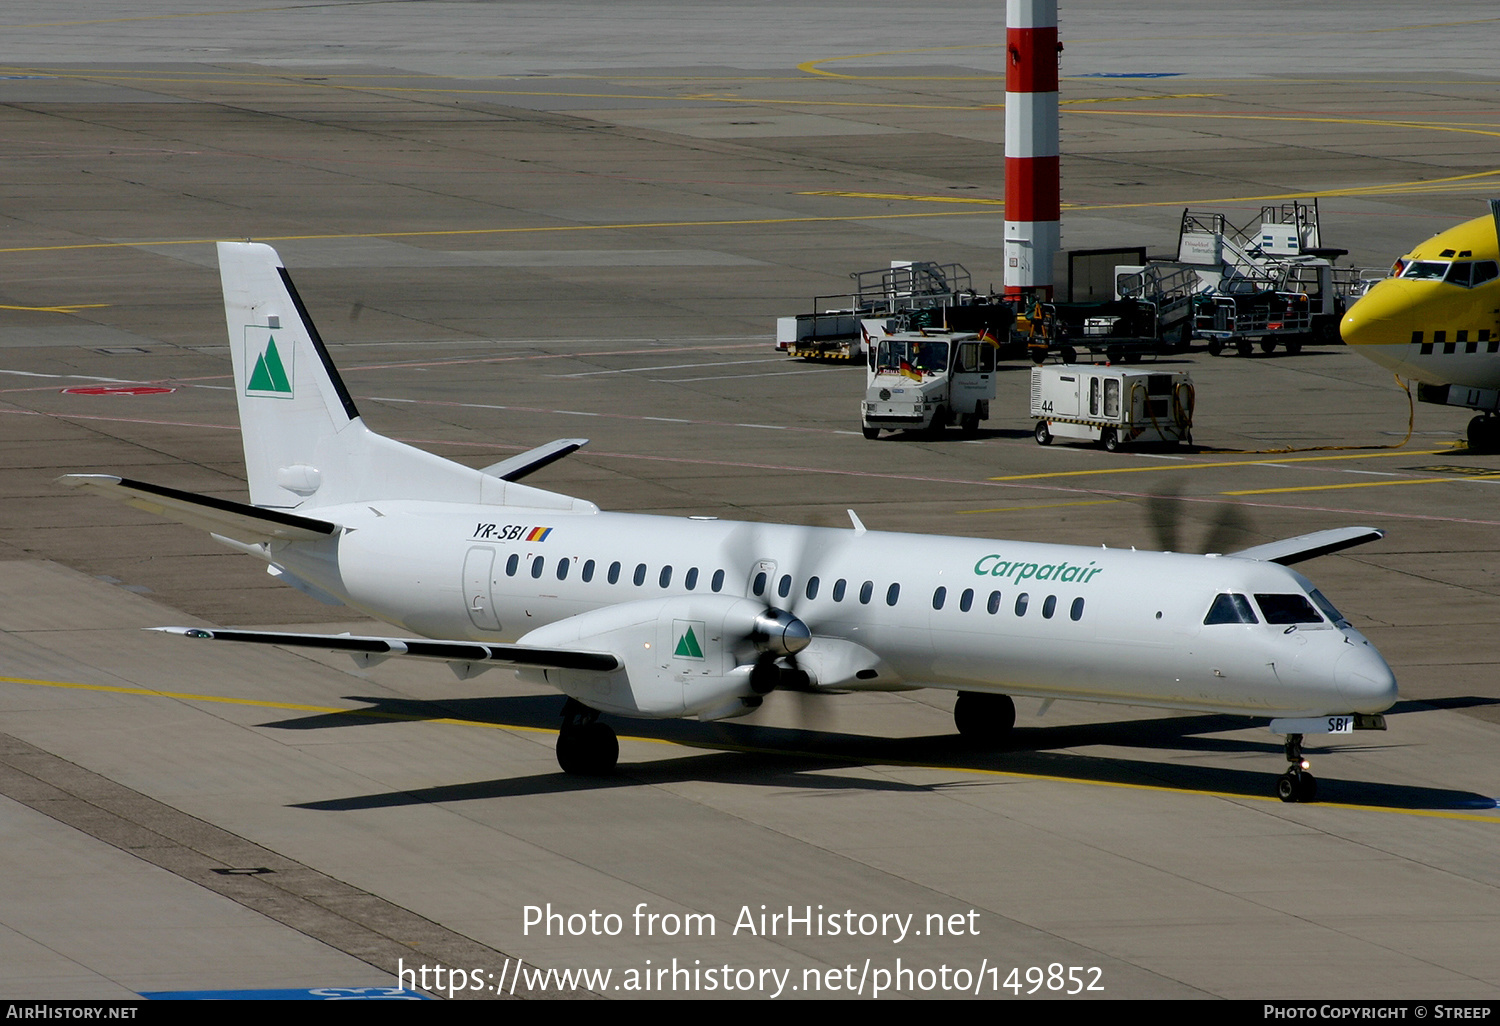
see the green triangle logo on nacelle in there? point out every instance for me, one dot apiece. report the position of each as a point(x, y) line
point(269, 376)
point(688, 646)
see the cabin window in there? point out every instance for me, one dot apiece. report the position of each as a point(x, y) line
point(939, 597)
point(760, 583)
point(512, 565)
point(640, 574)
point(966, 600)
point(717, 584)
point(784, 588)
point(1281, 609)
point(1230, 609)
point(588, 571)
point(994, 604)
point(1049, 606)
point(562, 568)
point(812, 588)
point(665, 580)
point(691, 580)
point(892, 594)
point(839, 586)
point(614, 573)
point(1076, 613)
point(866, 591)
point(1021, 601)
point(536, 566)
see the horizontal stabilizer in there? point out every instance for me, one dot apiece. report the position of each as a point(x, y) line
point(420, 648)
point(1306, 546)
point(244, 523)
point(532, 460)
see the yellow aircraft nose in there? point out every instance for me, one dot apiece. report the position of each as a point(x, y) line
point(1383, 316)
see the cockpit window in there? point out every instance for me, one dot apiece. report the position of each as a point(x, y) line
point(1432, 270)
point(1321, 601)
point(1280, 609)
point(1230, 609)
point(1485, 270)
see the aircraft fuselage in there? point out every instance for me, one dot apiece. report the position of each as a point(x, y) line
point(960, 613)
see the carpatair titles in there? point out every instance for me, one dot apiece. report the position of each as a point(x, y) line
point(269, 375)
point(993, 566)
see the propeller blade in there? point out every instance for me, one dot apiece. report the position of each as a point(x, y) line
point(1164, 513)
point(1228, 531)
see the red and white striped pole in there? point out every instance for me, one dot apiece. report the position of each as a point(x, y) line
point(1033, 211)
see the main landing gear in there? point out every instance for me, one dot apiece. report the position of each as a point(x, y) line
point(984, 718)
point(585, 747)
point(1484, 433)
point(1296, 784)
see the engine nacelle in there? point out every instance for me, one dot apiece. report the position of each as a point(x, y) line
point(681, 656)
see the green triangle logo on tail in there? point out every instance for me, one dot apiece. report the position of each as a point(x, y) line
point(687, 644)
point(269, 375)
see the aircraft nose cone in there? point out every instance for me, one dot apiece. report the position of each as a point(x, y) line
point(1364, 680)
point(1383, 317)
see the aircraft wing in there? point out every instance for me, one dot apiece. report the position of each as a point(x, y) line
point(240, 521)
point(420, 648)
point(1306, 546)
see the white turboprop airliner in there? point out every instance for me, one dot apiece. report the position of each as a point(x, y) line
point(658, 616)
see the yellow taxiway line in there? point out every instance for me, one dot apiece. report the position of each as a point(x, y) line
point(68, 308)
point(1366, 484)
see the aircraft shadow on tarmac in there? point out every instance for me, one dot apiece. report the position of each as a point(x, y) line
point(802, 758)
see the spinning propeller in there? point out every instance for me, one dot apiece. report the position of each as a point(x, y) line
point(778, 633)
point(1165, 512)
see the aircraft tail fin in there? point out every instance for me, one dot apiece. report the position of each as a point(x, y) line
point(305, 443)
point(293, 404)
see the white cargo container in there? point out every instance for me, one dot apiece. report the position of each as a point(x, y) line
point(1110, 405)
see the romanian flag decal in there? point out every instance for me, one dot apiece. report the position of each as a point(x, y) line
point(538, 534)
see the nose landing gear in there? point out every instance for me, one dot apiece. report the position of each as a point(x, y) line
point(1296, 784)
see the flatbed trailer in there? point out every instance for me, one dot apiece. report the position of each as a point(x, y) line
point(1244, 320)
point(907, 296)
point(1119, 331)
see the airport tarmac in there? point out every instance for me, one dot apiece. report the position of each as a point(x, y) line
point(514, 224)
